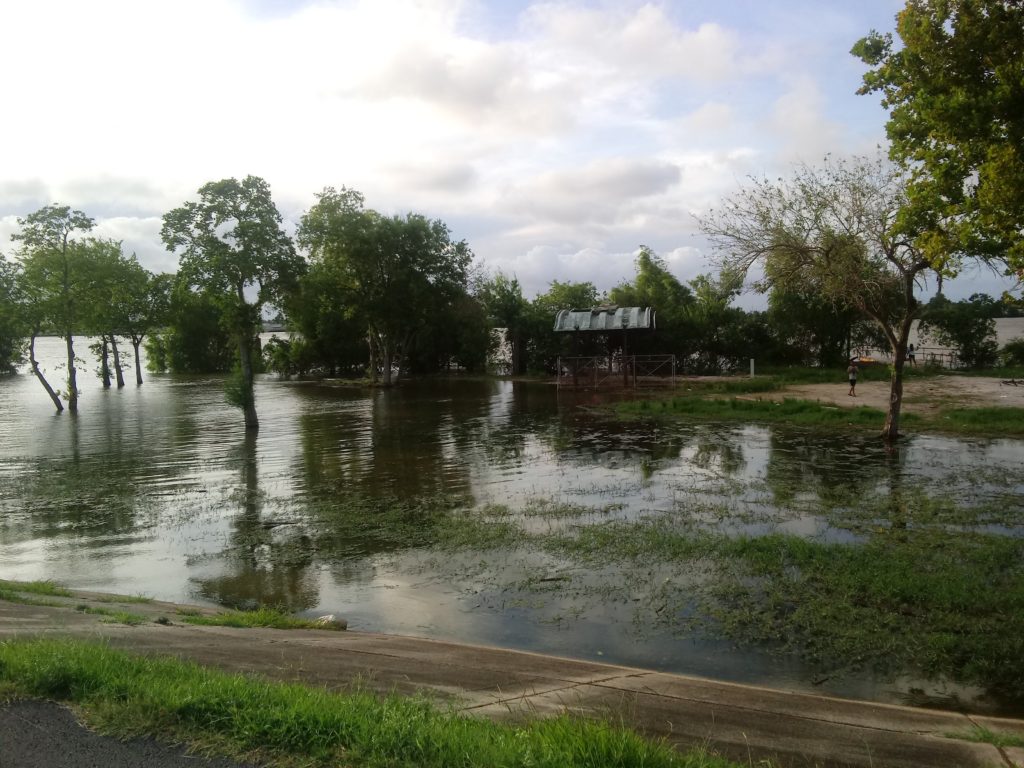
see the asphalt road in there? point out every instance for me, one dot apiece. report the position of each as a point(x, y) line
point(41, 734)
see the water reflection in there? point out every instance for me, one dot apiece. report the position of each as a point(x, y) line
point(334, 506)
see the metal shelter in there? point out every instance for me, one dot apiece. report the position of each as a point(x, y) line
point(602, 371)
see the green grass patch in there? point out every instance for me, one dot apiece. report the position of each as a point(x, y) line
point(981, 735)
point(261, 617)
point(112, 616)
point(123, 599)
point(789, 411)
point(127, 695)
point(994, 421)
point(48, 588)
point(914, 594)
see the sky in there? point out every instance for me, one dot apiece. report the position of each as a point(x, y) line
point(554, 137)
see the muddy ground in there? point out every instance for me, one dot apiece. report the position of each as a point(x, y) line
point(922, 396)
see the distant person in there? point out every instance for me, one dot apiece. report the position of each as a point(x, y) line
point(911, 356)
point(852, 373)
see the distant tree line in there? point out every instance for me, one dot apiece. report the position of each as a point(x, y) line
point(382, 297)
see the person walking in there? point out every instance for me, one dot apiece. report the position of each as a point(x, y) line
point(911, 355)
point(851, 372)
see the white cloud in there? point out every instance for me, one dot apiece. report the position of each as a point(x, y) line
point(559, 135)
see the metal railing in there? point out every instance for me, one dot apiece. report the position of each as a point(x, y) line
point(616, 371)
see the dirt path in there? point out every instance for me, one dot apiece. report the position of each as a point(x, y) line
point(923, 396)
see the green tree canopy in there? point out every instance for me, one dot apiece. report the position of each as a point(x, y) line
point(955, 93)
point(837, 231)
point(232, 246)
point(398, 274)
point(13, 327)
point(55, 282)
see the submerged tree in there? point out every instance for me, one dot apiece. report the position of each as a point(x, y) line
point(12, 317)
point(55, 284)
point(842, 232)
point(232, 246)
point(396, 274)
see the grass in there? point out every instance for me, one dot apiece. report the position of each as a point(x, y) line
point(112, 616)
point(290, 724)
point(789, 411)
point(48, 588)
point(989, 421)
point(261, 617)
point(913, 592)
point(981, 735)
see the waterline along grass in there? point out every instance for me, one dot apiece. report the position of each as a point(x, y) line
point(48, 588)
point(261, 617)
point(127, 695)
point(789, 410)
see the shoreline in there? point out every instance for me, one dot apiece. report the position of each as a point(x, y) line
point(738, 721)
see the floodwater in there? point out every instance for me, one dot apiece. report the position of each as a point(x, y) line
point(156, 490)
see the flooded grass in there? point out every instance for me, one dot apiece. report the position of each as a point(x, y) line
point(789, 411)
point(287, 724)
point(915, 593)
point(272, 618)
point(48, 588)
point(113, 616)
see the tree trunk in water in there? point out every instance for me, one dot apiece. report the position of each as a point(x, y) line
point(72, 375)
point(118, 373)
point(39, 375)
point(372, 343)
point(136, 343)
point(249, 396)
point(386, 365)
point(104, 362)
point(891, 430)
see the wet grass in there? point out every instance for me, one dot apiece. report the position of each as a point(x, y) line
point(48, 588)
point(984, 421)
point(112, 616)
point(288, 724)
point(981, 735)
point(272, 618)
point(788, 411)
point(913, 593)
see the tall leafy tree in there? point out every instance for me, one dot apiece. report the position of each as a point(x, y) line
point(544, 345)
point(954, 88)
point(502, 296)
point(838, 231)
point(395, 273)
point(232, 245)
point(656, 287)
point(144, 306)
point(13, 329)
point(968, 327)
point(55, 283)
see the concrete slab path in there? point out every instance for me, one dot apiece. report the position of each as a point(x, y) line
point(746, 723)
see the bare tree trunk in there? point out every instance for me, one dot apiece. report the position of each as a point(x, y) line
point(104, 362)
point(39, 374)
point(371, 340)
point(891, 430)
point(72, 374)
point(386, 364)
point(136, 343)
point(118, 373)
point(252, 423)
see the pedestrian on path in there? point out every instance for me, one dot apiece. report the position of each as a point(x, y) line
point(852, 373)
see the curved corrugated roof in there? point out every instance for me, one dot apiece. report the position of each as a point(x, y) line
point(604, 319)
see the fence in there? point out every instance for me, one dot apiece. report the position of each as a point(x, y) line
point(616, 371)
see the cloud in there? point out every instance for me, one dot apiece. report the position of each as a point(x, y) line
point(602, 191)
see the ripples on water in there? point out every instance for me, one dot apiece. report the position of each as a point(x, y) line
point(157, 490)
